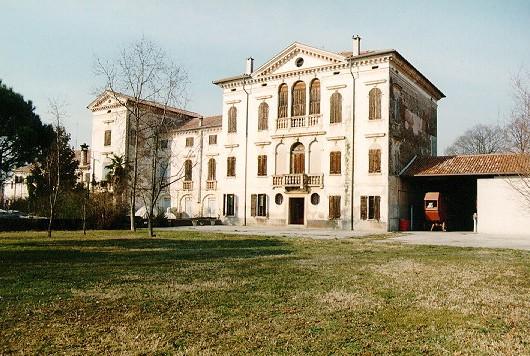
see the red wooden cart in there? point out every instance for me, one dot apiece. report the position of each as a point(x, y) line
point(435, 210)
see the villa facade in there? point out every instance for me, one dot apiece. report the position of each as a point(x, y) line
point(311, 138)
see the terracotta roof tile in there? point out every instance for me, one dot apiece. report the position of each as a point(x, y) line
point(209, 121)
point(486, 164)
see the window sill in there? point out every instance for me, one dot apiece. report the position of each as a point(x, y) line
point(261, 176)
point(335, 174)
point(375, 173)
point(230, 177)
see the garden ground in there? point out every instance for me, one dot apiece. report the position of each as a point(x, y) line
point(195, 292)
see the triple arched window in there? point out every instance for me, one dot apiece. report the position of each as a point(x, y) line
point(298, 99)
point(282, 100)
point(374, 103)
point(263, 116)
point(314, 97)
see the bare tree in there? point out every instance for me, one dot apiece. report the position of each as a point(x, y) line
point(480, 139)
point(144, 73)
point(518, 127)
point(518, 130)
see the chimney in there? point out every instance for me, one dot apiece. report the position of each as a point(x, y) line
point(200, 121)
point(356, 45)
point(250, 65)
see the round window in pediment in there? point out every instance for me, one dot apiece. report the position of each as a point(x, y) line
point(299, 61)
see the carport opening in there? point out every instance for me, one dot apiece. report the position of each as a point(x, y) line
point(459, 194)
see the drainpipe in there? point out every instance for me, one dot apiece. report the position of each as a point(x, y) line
point(352, 143)
point(200, 164)
point(246, 157)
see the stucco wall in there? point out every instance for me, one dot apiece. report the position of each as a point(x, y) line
point(501, 209)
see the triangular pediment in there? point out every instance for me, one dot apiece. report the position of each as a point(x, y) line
point(298, 57)
point(107, 99)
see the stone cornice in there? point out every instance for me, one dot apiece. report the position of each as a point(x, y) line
point(313, 70)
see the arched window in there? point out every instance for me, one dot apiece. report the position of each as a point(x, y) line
point(187, 170)
point(335, 111)
point(314, 97)
point(298, 104)
point(297, 158)
point(211, 169)
point(282, 100)
point(232, 119)
point(374, 103)
point(263, 116)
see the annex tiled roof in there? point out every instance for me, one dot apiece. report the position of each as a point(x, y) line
point(209, 121)
point(485, 164)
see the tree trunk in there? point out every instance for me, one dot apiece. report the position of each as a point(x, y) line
point(84, 217)
point(50, 220)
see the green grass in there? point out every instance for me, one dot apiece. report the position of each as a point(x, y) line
point(190, 293)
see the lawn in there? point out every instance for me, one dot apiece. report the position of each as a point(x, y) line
point(190, 293)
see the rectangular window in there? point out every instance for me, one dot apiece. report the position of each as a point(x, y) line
point(212, 139)
point(334, 162)
point(370, 207)
point(374, 161)
point(229, 204)
point(262, 165)
point(258, 205)
point(231, 167)
point(334, 206)
point(108, 138)
point(132, 137)
point(189, 141)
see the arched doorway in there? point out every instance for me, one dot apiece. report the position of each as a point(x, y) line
point(297, 158)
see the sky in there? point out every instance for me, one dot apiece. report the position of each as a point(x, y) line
point(469, 49)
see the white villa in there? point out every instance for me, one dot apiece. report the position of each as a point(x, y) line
point(310, 138)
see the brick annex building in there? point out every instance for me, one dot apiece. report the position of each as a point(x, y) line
point(310, 138)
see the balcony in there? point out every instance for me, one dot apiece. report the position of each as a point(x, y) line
point(294, 122)
point(211, 185)
point(187, 185)
point(298, 181)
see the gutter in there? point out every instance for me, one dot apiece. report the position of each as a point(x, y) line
point(246, 157)
point(352, 196)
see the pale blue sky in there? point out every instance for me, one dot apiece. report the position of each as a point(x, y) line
point(469, 49)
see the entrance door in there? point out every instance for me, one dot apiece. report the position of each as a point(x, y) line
point(211, 208)
point(187, 207)
point(296, 211)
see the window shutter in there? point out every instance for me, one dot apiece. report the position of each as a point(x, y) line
point(298, 101)
point(224, 204)
point(314, 100)
point(264, 165)
point(282, 101)
point(337, 207)
point(374, 103)
point(253, 203)
point(364, 208)
point(377, 202)
point(331, 212)
point(377, 161)
point(265, 207)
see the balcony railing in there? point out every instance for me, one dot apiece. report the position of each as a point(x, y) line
point(286, 123)
point(211, 185)
point(298, 180)
point(187, 185)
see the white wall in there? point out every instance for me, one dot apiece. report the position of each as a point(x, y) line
point(501, 209)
